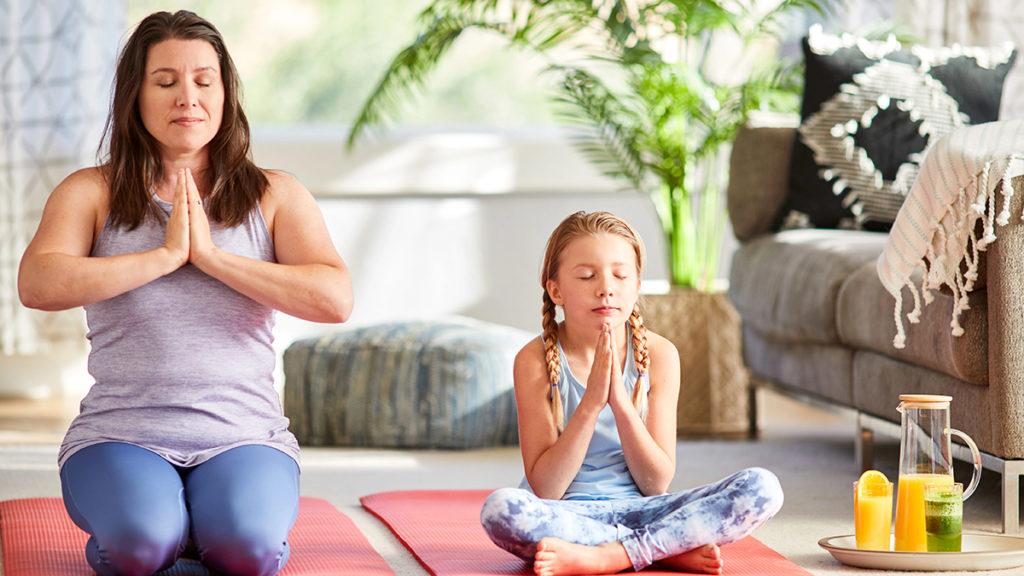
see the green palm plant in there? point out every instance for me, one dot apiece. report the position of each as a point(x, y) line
point(633, 73)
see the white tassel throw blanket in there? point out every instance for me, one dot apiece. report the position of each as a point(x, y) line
point(963, 178)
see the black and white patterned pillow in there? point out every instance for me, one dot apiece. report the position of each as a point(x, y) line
point(870, 111)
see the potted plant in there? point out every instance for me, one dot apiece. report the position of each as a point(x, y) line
point(635, 74)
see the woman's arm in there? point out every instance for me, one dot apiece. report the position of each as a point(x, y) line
point(551, 461)
point(650, 448)
point(309, 279)
point(56, 271)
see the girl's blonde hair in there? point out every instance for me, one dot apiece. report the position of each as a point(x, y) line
point(576, 225)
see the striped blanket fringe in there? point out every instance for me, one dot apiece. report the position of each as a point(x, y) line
point(951, 256)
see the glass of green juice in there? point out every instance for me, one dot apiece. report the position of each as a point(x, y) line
point(944, 516)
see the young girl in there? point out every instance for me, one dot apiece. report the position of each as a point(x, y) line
point(599, 456)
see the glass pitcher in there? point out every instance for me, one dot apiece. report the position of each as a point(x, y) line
point(925, 458)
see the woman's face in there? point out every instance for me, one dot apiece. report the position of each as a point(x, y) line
point(597, 281)
point(182, 96)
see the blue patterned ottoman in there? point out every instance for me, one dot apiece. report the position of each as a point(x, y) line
point(425, 384)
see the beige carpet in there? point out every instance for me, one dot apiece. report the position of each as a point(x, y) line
point(812, 454)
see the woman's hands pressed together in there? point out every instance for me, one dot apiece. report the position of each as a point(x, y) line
point(187, 238)
point(176, 238)
point(200, 244)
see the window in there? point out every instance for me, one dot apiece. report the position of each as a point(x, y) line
point(315, 61)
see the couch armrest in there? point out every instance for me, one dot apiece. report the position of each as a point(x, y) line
point(1005, 283)
point(759, 176)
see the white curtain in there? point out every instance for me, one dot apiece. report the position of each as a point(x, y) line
point(56, 64)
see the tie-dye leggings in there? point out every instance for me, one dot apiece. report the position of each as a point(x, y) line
point(650, 528)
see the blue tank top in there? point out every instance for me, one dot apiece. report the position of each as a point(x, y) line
point(603, 474)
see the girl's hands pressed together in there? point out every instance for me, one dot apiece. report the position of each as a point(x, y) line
point(617, 396)
point(599, 381)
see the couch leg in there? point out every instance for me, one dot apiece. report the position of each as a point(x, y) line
point(864, 447)
point(1012, 469)
point(753, 392)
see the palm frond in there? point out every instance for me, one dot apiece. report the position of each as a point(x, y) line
point(647, 116)
point(769, 22)
point(620, 20)
point(461, 9)
point(538, 26)
point(543, 25)
point(611, 142)
point(407, 71)
point(690, 18)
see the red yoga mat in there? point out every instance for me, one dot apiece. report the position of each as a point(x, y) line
point(442, 530)
point(39, 539)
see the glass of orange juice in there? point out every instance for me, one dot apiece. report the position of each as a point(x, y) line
point(872, 511)
point(911, 535)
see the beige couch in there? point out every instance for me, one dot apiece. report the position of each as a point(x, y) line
point(817, 321)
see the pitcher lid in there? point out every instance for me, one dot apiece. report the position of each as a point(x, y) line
point(925, 398)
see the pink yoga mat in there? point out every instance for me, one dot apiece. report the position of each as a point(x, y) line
point(39, 539)
point(442, 530)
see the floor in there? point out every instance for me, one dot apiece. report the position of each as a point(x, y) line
point(27, 421)
point(810, 450)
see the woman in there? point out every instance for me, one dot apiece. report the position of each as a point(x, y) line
point(180, 249)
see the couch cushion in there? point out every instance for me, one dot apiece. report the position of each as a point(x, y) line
point(864, 319)
point(870, 112)
point(879, 380)
point(816, 369)
point(758, 178)
point(786, 284)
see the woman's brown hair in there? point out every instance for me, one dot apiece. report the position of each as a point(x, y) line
point(133, 165)
point(576, 225)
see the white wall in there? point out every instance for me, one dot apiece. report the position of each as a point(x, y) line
point(416, 257)
point(436, 225)
point(431, 225)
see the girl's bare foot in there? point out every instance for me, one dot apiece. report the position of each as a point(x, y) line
point(555, 557)
point(704, 560)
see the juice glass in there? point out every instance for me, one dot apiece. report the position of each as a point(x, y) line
point(944, 516)
point(872, 515)
point(910, 519)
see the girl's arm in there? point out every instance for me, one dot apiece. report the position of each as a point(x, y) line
point(56, 271)
point(551, 461)
point(650, 449)
point(309, 279)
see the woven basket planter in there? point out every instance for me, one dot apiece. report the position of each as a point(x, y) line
point(705, 328)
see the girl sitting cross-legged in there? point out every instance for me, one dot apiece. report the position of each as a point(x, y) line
point(597, 396)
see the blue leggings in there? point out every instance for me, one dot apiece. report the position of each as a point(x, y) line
point(650, 528)
point(139, 510)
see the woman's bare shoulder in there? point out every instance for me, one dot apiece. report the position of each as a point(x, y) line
point(74, 214)
point(283, 188)
point(84, 191)
point(282, 185)
point(86, 183)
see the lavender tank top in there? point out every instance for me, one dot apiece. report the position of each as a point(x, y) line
point(184, 364)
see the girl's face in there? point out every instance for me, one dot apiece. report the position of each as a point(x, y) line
point(597, 281)
point(182, 96)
